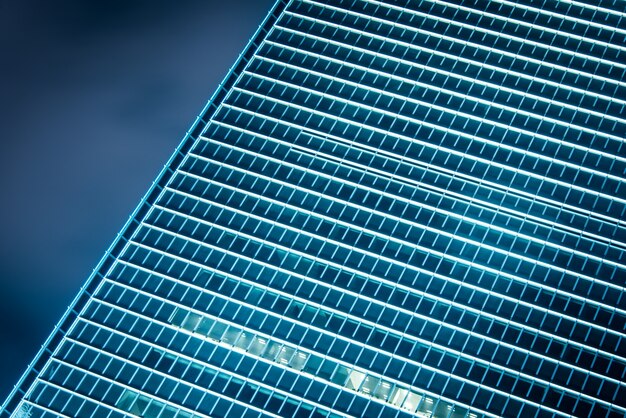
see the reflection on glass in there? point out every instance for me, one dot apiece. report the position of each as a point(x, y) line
point(231, 335)
point(299, 360)
point(168, 412)
point(460, 412)
point(369, 384)
point(272, 350)
point(24, 411)
point(398, 396)
point(426, 408)
point(411, 402)
point(178, 317)
point(355, 380)
point(257, 346)
point(217, 331)
point(191, 321)
point(383, 391)
point(205, 326)
point(336, 373)
point(126, 402)
point(244, 341)
point(142, 406)
point(284, 355)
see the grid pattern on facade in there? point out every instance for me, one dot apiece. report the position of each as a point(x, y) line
point(393, 208)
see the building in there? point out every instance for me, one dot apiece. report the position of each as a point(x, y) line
point(387, 209)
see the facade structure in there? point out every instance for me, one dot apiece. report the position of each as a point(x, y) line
point(388, 209)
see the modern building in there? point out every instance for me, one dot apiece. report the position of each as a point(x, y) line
point(388, 209)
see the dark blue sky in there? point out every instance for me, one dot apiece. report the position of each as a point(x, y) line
point(94, 97)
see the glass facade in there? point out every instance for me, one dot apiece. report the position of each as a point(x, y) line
point(388, 209)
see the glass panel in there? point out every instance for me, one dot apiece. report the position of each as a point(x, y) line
point(205, 326)
point(257, 346)
point(383, 390)
point(168, 412)
point(412, 401)
point(398, 396)
point(244, 341)
point(369, 384)
point(126, 400)
point(272, 350)
point(217, 331)
point(341, 375)
point(140, 405)
point(444, 409)
point(355, 380)
point(426, 407)
point(231, 335)
point(285, 354)
point(154, 410)
point(178, 317)
point(299, 360)
point(191, 322)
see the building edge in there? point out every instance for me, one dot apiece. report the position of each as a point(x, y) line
point(20, 390)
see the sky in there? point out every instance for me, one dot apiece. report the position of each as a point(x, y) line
point(94, 98)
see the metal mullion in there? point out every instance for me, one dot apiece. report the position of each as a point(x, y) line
point(433, 189)
point(462, 261)
point(453, 57)
point(544, 200)
point(531, 25)
point(165, 349)
point(455, 40)
point(594, 8)
point(565, 17)
point(546, 138)
point(101, 403)
point(394, 285)
point(219, 295)
point(152, 397)
point(254, 332)
point(324, 331)
point(196, 335)
point(399, 219)
point(141, 366)
point(419, 340)
point(35, 405)
point(467, 116)
point(420, 316)
point(411, 290)
point(244, 327)
point(483, 160)
point(476, 28)
point(456, 76)
point(241, 279)
point(262, 334)
point(379, 173)
point(271, 266)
